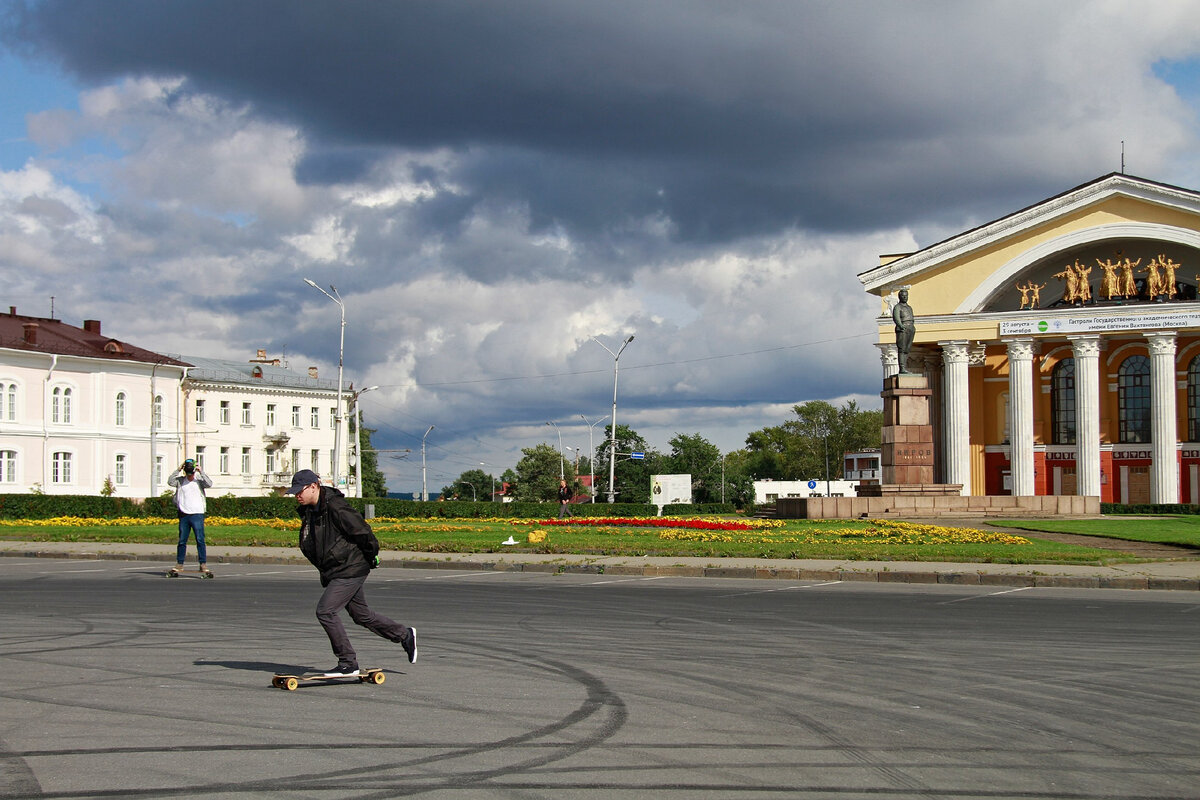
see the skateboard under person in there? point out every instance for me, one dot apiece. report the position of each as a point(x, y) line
point(341, 545)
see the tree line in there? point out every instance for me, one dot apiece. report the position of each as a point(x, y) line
point(804, 446)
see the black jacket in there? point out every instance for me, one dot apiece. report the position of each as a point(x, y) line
point(336, 538)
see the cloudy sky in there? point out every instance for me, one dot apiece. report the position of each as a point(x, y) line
point(491, 184)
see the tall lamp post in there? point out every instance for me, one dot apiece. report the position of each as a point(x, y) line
point(561, 475)
point(358, 445)
point(424, 491)
point(592, 454)
point(612, 453)
point(337, 417)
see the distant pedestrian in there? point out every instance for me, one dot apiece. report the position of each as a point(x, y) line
point(564, 499)
point(342, 546)
point(190, 483)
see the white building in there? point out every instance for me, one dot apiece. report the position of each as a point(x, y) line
point(251, 424)
point(78, 408)
point(770, 491)
point(80, 412)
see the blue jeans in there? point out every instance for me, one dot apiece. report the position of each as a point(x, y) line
point(187, 523)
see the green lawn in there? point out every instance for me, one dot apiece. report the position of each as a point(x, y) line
point(796, 539)
point(1183, 530)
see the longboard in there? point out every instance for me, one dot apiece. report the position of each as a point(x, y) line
point(292, 682)
point(176, 573)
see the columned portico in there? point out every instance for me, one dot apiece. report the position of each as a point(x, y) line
point(955, 357)
point(1164, 470)
point(1086, 351)
point(1020, 392)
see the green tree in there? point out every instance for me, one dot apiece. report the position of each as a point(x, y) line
point(799, 447)
point(373, 483)
point(632, 476)
point(696, 456)
point(474, 483)
point(537, 474)
point(739, 480)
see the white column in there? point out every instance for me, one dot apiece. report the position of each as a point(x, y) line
point(955, 356)
point(1164, 470)
point(1087, 414)
point(1020, 394)
point(890, 358)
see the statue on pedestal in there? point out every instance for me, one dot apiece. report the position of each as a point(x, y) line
point(906, 328)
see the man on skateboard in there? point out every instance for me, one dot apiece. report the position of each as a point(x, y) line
point(341, 545)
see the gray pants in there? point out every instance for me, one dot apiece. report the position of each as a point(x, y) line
point(348, 593)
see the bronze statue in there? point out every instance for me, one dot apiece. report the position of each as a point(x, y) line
point(1036, 291)
point(1110, 286)
point(906, 328)
point(1129, 285)
point(1168, 279)
point(1024, 290)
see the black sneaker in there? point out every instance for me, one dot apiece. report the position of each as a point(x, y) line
point(410, 645)
point(342, 669)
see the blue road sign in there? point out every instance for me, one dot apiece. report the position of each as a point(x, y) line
point(812, 484)
point(637, 456)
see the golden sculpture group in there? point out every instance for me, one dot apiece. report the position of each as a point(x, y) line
point(1118, 281)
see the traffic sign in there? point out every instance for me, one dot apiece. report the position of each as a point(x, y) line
point(812, 484)
point(637, 456)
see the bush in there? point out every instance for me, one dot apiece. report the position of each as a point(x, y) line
point(1149, 508)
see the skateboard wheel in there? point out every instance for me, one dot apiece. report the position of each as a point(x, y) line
point(376, 677)
point(172, 575)
point(275, 682)
point(291, 685)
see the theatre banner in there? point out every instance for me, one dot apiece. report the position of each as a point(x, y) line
point(1099, 324)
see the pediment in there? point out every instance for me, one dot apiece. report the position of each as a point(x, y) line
point(1114, 217)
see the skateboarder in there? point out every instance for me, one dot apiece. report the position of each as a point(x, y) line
point(340, 543)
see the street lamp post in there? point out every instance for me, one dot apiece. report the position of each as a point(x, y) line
point(358, 452)
point(560, 452)
point(337, 417)
point(592, 453)
point(493, 497)
point(612, 454)
point(424, 491)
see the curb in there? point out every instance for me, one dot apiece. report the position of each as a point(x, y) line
point(957, 577)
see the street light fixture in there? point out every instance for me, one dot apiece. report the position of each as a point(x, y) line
point(485, 464)
point(612, 453)
point(561, 475)
point(424, 491)
point(337, 417)
point(358, 457)
point(592, 453)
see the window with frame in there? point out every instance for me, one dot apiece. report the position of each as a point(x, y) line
point(315, 457)
point(246, 416)
point(295, 459)
point(314, 418)
point(60, 467)
point(119, 411)
point(245, 460)
point(200, 457)
point(270, 461)
point(295, 416)
point(271, 415)
point(1062, 401)
point(1193, 400)
point(1133, 400)
point(60, 405)
point(8, 402)
point(224, 460)
point(158, 411)
point(8, 466)
point(224, 411)
point(333, 418)
point(120, 465)
point(158, 470)
point(200, 411)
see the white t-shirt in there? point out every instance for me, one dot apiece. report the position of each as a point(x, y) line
point(189, 497)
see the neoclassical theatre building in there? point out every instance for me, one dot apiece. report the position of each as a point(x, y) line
point(1061, 344)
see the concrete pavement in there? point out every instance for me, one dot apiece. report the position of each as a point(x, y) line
point(1180, 574)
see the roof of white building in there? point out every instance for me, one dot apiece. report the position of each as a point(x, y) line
point(252, 373)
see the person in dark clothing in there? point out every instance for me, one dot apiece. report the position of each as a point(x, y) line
point(341, 545)
point(564, 499)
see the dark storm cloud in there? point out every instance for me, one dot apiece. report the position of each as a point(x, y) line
point(726, 119)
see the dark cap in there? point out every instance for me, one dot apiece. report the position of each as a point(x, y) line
point(301, 479)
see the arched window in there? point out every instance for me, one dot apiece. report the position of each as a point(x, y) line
point(1133, 399)
point(158, 403)
point(8, 402)
point(60, 405)
point(1062, 401)
point(120, 408)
